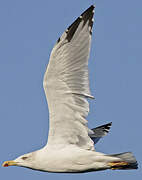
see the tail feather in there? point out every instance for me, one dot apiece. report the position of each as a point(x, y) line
point(127, 161)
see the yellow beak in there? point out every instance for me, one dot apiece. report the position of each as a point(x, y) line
point(9, 163)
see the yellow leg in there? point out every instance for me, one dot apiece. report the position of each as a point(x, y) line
point(118, 165)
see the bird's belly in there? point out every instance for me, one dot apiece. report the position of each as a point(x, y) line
point(69, 161)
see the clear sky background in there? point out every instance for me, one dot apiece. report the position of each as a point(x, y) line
point(28, 32)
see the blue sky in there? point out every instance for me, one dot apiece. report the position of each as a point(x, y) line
point(28, 32)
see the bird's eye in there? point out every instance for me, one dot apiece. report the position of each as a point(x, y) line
point(24, 157)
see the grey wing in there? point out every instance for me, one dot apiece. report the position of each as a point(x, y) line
point(66, 85)
point(97, 133)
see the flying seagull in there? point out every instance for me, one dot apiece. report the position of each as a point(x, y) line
point(70, 146)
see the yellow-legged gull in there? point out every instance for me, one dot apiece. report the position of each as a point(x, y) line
point(70, 146)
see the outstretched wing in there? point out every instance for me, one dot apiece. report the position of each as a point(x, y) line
point(66, 85)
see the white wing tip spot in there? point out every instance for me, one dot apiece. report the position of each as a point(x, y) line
point(66, 30)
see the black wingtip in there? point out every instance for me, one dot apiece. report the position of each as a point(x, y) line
point(89, 10)
point(87, 15)
point(106, 126)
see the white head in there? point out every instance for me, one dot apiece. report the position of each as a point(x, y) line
point(26, 160)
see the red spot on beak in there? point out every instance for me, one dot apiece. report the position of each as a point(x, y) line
point(6, 165)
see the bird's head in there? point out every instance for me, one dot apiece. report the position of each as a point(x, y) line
point(24, 160)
